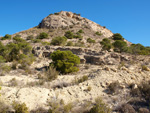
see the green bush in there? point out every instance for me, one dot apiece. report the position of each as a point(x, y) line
point(98, 33)
point(65, 61)
point(69, 35)
point(20, 108)
point(45, 43)
point(18, 39)
point(120, 46)
point(43, 35)
point(7, 36)
point(59, 41)
point(138, 49)
point(78, 36)
point(68, 107)
point(36, 41)
point(100, 107)
point(83, 79)
point(117, 36)
point(89, 40)
point(80, 31)
point(70, 43)
point(106, 44)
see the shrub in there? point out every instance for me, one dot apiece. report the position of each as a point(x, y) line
point(20, 108)
point(78, 36)
point(89, 88)
point(138, 49)
point(120, 46)
point(7, 36)
point(89, 40)
point(98, 33)
point(30, 37)
point(36, 41)
point(80, 31)
point(65, 61)
point(45, 43)
point(117, 36)
point(59, 41)
point(100, 107)
point(43, 35)
point(106, 44)
point(68, 108)
point(4, 69)
point(126, 108)
point(2, 60)
point(144, 68)
point(83, 78)
point(51, 74)
point(69, 35)
point(79, 44)
point(114, 87)
point(18, 39)
point(70, 43)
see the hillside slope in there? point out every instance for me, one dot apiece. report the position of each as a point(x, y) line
point(114, 75)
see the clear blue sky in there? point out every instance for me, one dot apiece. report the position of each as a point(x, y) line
point(131, 18)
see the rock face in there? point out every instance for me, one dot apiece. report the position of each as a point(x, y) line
point(65, 19)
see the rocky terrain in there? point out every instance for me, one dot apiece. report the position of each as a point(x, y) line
point(101, 68)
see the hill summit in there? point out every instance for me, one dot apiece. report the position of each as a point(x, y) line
point(66, 19)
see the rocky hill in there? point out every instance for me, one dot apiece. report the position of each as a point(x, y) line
point(108, 72)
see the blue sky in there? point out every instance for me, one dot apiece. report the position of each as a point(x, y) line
point(130, 18)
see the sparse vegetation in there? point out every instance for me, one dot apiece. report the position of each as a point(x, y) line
point(6, 37)
point(59, 41)
point(69, 35)
point(68, 107)
point(114, 87)
point(65, 61)
point(42, 35)
point(82, 79)
point(20, 108)
point(70, 43)
point(98, 33)
point(89, 40)
point(100, 107)
point(79, 44)
point(51, 74)
point(106, 44)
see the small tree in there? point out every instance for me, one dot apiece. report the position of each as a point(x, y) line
point(7, 36)
point(59, 41)
point(65, 61)
point(43, 35)
point(120, 46)
point(69, 35)
point(89, 40)
point(117, 36)
point(106, 44)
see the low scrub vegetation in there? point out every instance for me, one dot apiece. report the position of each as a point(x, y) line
point(6, 37)
point(98, 33)
point(59, 41)
point(65, 61)
point(99, 107)
point(42, 35)
point(89, 40)
point(106, 44)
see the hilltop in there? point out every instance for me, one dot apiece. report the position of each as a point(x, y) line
point(103, 66)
